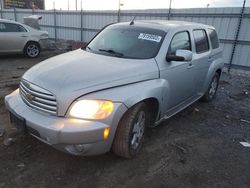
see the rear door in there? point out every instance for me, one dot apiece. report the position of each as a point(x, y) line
point(216, 52)
point(201, 58)
point(13, 37)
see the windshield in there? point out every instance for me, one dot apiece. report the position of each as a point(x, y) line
point(127, 42)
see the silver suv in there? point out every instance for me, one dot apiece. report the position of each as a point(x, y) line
point(131, 76)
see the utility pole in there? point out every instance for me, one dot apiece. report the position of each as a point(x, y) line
point(169, 9)
point(55, 24)
point(81, 22)
point(119, 10)
point(1, 3)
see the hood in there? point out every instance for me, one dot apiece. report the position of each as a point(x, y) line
point(74, 74)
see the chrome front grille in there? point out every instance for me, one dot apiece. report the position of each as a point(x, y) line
point(38, 98)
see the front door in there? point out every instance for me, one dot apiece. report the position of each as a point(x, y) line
point(178, 74)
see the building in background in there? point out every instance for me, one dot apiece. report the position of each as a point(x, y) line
point(24, 4)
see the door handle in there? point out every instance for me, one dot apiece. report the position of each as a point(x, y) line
point(24, 36)
point(190, 66)
point(210, 59)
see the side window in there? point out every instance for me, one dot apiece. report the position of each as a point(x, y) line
point(181, 41)
point(10, 27)
point(2, 27)
point(201, 40)
point(21, 29)
point(214, 38)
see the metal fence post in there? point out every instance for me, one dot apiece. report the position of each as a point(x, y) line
point(55, 25)
point(1, 13)
point(169, 9)
point(15, 16)
point(236, 36)
point(119, 15)
point(119, 12)
point(81, 25)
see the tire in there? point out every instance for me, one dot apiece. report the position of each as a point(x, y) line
point(130, 131)
point(32, 49)
point(212, 89)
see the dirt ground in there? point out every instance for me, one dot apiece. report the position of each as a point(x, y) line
point(199, 147)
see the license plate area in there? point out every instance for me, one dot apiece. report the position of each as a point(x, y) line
point(17, 122)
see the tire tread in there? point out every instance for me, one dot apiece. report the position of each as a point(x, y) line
point(121, 141)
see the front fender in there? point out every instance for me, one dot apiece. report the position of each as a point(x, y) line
point(134, 93)
point(129, 95)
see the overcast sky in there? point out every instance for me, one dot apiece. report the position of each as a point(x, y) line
point(139, 4)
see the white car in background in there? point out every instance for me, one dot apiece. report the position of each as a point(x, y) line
point(20, 38)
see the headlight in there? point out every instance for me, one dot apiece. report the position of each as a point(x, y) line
point(91, 109)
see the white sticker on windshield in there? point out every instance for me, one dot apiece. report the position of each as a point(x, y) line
point(145, 36)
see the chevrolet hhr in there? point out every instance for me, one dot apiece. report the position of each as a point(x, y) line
point(130, 76)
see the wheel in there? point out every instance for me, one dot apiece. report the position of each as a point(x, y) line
point(32, 49)
point(211, 92)
point(130, 131)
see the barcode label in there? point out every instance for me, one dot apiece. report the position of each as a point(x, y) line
point(150, 37)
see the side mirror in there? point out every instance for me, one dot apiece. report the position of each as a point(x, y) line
point(181, 55)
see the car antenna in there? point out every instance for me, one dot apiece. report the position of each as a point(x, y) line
point(132, 21)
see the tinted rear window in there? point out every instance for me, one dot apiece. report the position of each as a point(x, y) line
point(214, 38)
point(201, 41)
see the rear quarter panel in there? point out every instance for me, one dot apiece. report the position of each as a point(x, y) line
point(217, 64)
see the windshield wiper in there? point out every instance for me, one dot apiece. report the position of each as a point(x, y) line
point(89, 48)
point(110, 51)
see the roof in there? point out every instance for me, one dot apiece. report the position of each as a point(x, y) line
point(8, 21)
point(164, 24)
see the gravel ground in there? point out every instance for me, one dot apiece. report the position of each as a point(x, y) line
point(199, 147)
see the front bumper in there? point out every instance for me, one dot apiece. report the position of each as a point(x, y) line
point(74, 136)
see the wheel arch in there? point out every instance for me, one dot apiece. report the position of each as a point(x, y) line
point(219, 71)
point(216, 67)
point(31, 41)
point(153, 106)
